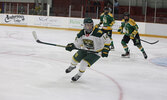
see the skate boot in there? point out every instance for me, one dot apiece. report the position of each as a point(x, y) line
point(75, 78)
point(69, 69)
point(111, 48)
point(145, 55)
point(126, 55)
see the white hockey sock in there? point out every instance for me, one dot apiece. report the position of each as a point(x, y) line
point(83, 66)
point(73, 63)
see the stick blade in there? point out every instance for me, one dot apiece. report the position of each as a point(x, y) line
point(156, 41)
point(34, 35)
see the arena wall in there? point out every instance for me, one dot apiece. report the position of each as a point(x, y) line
point(68, 23)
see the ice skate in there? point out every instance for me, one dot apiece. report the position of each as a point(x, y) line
point(69, 69)
point(145, 55)
point(126, 55)
point(111, 48)
point(75, 78)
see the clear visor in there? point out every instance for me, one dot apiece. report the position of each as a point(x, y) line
point(88, 27)
point(126, 17)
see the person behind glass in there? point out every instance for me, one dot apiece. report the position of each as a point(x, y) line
point(107, 19)
point(109, 6)
point(130, 30)
point(116, 7)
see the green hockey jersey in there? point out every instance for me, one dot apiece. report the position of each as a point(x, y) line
point(129, 27)
point(107, 21)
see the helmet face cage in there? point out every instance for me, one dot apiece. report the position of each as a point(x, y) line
point(126, 16)
point(88, 27)
point(106, 10)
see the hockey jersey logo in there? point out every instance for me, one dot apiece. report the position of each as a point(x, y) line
point(88, 43)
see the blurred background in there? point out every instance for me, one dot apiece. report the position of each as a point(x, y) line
point(153, 11)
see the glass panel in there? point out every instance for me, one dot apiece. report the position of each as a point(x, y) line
point(161, 11)
point(154, 11)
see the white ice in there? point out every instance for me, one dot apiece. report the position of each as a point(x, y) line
point(33, 71)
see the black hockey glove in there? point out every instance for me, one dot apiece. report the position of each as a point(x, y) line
point(105, 51)
point(70, 47)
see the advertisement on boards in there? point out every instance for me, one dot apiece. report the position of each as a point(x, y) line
point(13, 19)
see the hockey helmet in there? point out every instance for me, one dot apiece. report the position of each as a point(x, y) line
point(126, 16)
point(88, 25)
point(106, 10)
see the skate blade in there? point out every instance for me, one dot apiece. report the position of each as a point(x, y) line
point(125, 56)
point(112, 49)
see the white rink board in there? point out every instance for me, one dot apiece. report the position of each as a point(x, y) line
point(74, 23)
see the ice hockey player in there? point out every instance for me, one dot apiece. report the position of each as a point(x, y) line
point(130, 30)
point(90, 38)
point(107, 19)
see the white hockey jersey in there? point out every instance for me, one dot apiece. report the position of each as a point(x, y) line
point(95, 41)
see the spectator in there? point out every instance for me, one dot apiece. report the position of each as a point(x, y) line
point(116, 7)
point(97, 4)
point(21, 9)
point(109, 6)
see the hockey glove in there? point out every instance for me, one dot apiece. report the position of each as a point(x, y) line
point(70, 47)
point(105, 51)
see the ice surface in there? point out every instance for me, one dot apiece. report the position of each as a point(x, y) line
point(33, 71)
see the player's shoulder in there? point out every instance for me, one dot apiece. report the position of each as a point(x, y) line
point(102, 14)
point(123, 20)
point(97, 32)
point(132, 22)
point(80, 34)
point(110, 14)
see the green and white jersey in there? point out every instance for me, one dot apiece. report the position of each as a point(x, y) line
point(129, 27)
point(107, 21)
point(95, 41)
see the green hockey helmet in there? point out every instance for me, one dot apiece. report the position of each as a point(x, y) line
point(88, 20)
point(126, 16)
point(106, 10)
point(88, 25)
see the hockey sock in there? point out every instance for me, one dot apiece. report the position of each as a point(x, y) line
point(141, 48)
point(125, 46)
point(83, 66)
point(73, 62)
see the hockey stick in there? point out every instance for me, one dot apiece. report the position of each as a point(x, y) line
point(147, 41)
point(150, 42)
point(39, 41)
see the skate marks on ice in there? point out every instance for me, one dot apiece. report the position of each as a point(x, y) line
point(46, 76)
